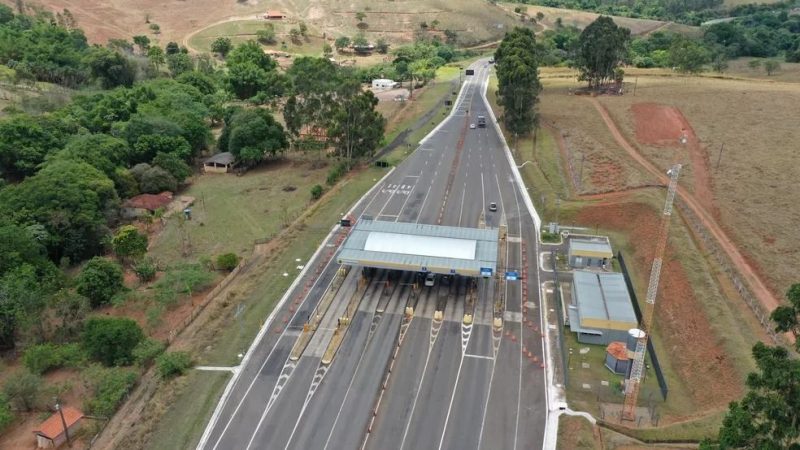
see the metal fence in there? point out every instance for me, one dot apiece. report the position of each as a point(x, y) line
point(733, 274)
point(662, 382)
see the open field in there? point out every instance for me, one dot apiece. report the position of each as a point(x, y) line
point(696, 304)
point(230, 212)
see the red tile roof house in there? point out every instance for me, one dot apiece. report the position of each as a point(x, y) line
point(274, 15)
point(143, 204)
point(51, 432)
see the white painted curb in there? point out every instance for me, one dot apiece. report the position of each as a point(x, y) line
point(263, 331)
point(554, 395)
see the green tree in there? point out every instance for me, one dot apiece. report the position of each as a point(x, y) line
point(129, 244)
point(68, 310)
point(221, 45)
point(155, 180)
point(382, 46)
point(23, 390)
point(23, 296)
point(356, 128)
point(179, 63)
point(251, 72)
point(172, 163)
point(327, 50)
point(202, 82)
point(107, 387)
point(360, 16)
point(787, 318)
point(172, 364)
point(771, 66)
point(303, 28)
point(360, 40)
point(754, 63)
point(341, 43)
point(313, 88)
point(149, 145)
point(720, 63)
point(71, 201)
point(227, 261)
point(27, 140)
point(688, 56)
point(172, 48)
point(111, 68)
point(156, 57)
point(266, 35)
point(99, 280)
point(602, 47)
point(6, 415)
point(111, 340)
point(143, 42)
point(294, 35)
point(250, 134)
point(518, 80)
point(104, 152)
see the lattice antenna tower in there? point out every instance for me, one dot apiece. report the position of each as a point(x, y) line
point(634, 382)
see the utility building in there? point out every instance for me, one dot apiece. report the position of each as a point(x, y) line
point(601, 311)
point(421, 248)
point(589, 252)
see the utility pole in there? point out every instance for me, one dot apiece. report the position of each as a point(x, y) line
point(719, 158)
point(635, 82)
point(63, 423)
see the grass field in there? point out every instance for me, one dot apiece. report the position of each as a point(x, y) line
point(230, 212)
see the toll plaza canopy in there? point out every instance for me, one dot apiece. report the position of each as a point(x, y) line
point(421, 248)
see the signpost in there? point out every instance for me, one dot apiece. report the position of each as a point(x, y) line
point(486, 272)
point(512, 276)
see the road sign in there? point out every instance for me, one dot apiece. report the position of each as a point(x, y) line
point(512, 276)
point(453, 271)
point(470, 72)
point(486, 272)
point(423, 269)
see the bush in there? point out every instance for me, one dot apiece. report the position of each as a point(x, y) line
point(145, 270)
point(6, 416)
point(336, 172)
point(316, 192)
point(108, 387)
point(185, 279)
point(156, 180)
point(173, 364)
point(111, 340)
point(146, 351)
point(99, 280)
point(129, 243)
point(23, 390)
point(42, 358)
point(228, 261)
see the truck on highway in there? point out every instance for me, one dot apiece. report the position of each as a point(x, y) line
point(481, 122)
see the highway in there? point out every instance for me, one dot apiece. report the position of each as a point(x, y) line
point(409, 382)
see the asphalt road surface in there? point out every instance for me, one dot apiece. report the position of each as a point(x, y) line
point(420, 383)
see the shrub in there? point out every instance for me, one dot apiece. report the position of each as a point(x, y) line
point(108, 386)
point(129, 243)
point(146, 351)
point(172, 364)
point(228, 261)
point(99, 280)
point(111, 340)
point(42, 358)
point(185, 279)
point(156, 180)
point(6, 416)
point(336, 172)
point(316, 192)
point(145, 270)
point(23, 390)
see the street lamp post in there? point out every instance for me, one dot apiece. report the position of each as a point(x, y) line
point(63, 423)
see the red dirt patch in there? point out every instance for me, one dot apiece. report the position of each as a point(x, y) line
point(663, 126)
point(606, 173)
point(696, 357)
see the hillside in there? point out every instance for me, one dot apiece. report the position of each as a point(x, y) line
point(475, 21)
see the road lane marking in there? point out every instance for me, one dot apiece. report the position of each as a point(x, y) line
point(422, 208)
point(407, 198)
point(463, 194)
point(480, 357)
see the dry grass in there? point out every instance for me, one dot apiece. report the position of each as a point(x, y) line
point(757, 123)
point(575, 433)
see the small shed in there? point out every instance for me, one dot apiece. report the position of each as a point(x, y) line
point(617, 358)
point(589, 252)
point(383, 83)
point(51, 433)
point(219, 163)
point(144, 204)
point(274, 15)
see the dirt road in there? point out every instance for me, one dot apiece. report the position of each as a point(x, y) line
point(758, 288)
